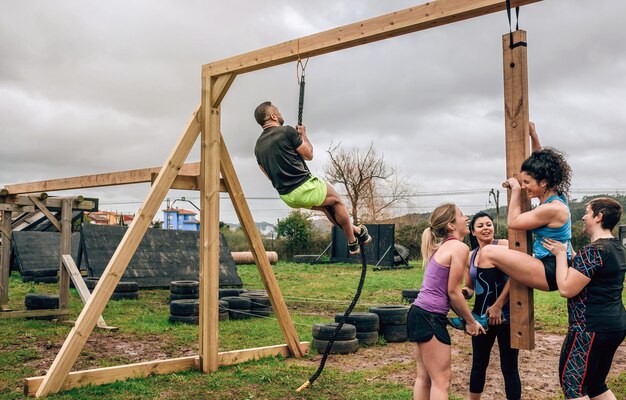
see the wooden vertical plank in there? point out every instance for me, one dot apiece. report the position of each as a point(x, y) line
point(258, 251)
point(209, 229)
point(66, 248)
point(78, 336)
point(5, 260)
point(517, 150)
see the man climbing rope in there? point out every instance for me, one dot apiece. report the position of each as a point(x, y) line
point(281, 152)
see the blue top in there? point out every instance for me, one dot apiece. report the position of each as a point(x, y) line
point(562, 234)
point(488, 285)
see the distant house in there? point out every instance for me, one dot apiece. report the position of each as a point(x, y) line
point(109, 218)
point(180, 219)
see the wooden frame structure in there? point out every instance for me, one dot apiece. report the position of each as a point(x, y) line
point(217, 77)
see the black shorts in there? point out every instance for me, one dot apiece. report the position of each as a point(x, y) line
point(549, 265)
point(423, 325)
point(585, 362)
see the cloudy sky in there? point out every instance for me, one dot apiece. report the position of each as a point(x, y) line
point(94, 87)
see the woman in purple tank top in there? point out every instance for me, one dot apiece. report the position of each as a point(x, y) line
point(446, 255)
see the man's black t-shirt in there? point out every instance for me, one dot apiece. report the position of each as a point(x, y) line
point(275, 151)
point(598, 307)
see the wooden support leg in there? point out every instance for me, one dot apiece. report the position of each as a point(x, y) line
point(66, 246)
point(86, 321)
point(258, 251)
point(517, 150)
point(5, 260)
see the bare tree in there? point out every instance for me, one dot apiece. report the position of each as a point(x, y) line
point(372, 186)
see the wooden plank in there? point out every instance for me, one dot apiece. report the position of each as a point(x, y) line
point(421, 17)
point(260, 256)
point(49, 202)
point(220, 88)
point(42, 207)
point(517, 150)
point(79, 284)
point(189, 182)
point(96, 180)
point(16, 208)
point(101, 376)
point(65, 248)
point(33, 313)
point(86, 321)
point(209, 231)
point(5, 260)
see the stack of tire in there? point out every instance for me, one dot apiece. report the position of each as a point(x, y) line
point(41, 276)
point(366, 324)
point(393, 320)
point(36, 301)
point(260, 305)
point(238, 307)
point(188, 310)
point(229, 292)
point(409, 295)
point(345, 341)
point(125, 290)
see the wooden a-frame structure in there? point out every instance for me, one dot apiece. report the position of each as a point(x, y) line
point(217, 77)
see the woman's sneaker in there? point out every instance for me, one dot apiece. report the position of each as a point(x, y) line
point(364, 235)
point(354, 247)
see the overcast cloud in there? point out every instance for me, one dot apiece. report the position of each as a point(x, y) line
point(94, 87)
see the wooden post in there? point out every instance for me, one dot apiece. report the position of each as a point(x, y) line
point(260, 255)
point(88, 317)
point(517, 150)
point(209, 229)
point(5, 260)
point(65, 249)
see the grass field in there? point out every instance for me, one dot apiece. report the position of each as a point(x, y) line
point(313, 294)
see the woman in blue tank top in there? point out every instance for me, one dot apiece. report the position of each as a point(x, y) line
point(545, 175)
point(445, 256)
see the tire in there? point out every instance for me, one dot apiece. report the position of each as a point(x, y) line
point(260, 312)
point(394, 333)
point(185, 307)
point(223, 316)
point(239, 314)
point(325, 331)
point(391, 315)
point(237, 303)
point(91, 283)
point(27, 278)
point(363, 321)
point(45, 279)
point(126, 287)
point(223, 306)
point(186, 319)
point(174, 296)
point(184, 287)
point(410, 293)
point(44, 272)
point(258, 301)
point(35, 301)
point(230, 292)
point(367, 338)
point(339, 346)
point(125, 296)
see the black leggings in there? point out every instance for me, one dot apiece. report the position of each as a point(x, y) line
point(481, 351)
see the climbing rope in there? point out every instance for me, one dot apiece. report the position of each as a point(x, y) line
point(341, 321)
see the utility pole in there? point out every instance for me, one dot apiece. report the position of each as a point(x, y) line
point(496, 199)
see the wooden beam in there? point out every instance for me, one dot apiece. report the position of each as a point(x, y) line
point(16, 208)
point(101, 376)
point(517, 150)
point(220, 88)
point(209, 230)
point(49, 202)
point(42, 207)
point(189, 182)
point(96, 180)
point(86, 321)
point(81, 287)
point(421, 17)
point(258, 251)
point(34, 313)
point(5, 260)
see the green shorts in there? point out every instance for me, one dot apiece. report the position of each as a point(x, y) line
point(311, 193)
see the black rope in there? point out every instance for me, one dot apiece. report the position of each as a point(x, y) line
point(508, 13)
point(341, 321)
point(301, 98)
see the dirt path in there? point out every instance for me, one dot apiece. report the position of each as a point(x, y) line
point(538, 368)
